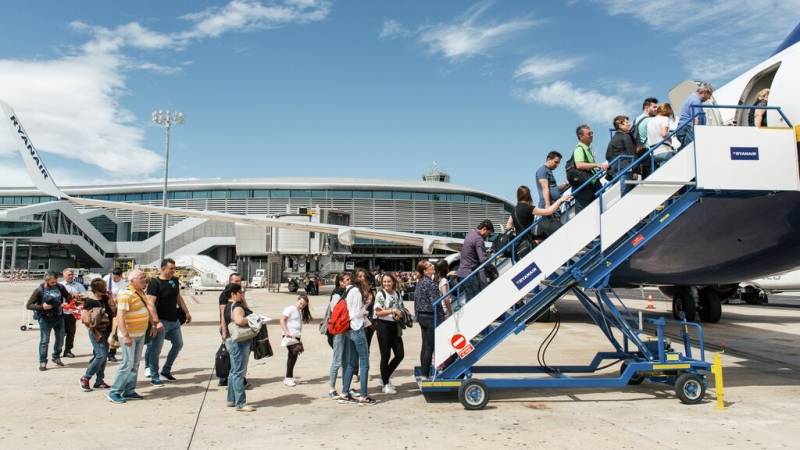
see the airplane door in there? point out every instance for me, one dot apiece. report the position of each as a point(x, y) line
point(785, 92)
point(678, 95)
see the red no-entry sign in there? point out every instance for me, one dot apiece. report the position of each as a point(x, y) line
point(458, 341)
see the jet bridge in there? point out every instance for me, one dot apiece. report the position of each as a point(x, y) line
point(580, 257)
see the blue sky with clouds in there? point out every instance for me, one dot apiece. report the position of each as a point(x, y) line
point(343, 88)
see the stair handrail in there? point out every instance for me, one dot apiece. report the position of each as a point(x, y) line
point(512, 243)
point(674, 132)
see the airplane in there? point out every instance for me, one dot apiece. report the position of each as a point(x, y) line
point(698, 260)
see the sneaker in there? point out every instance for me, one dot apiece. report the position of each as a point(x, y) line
point(223, 382)
point(333, 394)
point(112, 358)
point(367, 401)
point(43, 366)
point(115, 398)
point(85, 384)
point(289, 382)
point(230, 404)
point(133, 396)
point(69, 354)
point(101, 385)
point(389, 389)
point(344, 399)
point(168, 376)
point(246, 408)
point(353, 393)
point(156, 382)
point(58, 362)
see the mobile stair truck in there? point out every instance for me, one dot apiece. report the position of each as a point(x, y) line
point(579, 259)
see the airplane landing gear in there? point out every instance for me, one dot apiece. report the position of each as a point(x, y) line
point(691, 302)
point(684, 304)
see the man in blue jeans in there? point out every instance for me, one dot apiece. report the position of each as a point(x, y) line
point(163, 299)
point(45, 302)
point(691, 106)
point(473, 254)
point(356, 350)
point(132, 319)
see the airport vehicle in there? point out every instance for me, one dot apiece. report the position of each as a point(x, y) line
point(259, 280)
point(757, 291)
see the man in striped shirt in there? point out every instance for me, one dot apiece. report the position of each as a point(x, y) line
point(132, 320)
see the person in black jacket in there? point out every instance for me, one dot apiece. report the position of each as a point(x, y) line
point(45, 302)
point(621, 143)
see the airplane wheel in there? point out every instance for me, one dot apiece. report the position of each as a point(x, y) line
point(23, 328)
point(683, 302)
point(690, 388)
point(710, 306)
point(473, 394)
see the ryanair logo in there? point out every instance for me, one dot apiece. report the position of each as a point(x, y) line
point(521, 279)
point(26, 140)
point(744, 153)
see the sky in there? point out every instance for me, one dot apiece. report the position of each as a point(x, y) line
point(337, 88)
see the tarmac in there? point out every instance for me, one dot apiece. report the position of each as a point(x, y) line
point(761, 361)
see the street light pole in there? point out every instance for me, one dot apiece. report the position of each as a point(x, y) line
point(166, 119)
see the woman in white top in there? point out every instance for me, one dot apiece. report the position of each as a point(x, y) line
point(658, 129)
point(292, 322)
point(390, 339)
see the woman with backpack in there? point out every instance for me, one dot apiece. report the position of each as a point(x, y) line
point(388, 310)
point(236, 312)
point(292, 322)
point(335, 341)
point(97, 314)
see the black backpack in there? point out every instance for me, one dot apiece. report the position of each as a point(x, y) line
point(576, 177)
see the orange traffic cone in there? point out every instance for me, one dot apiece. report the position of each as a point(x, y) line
point(650, 304)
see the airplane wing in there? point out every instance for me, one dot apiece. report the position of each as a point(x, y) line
point(346, 235)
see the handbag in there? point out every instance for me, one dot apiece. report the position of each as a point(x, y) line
point(296, 349)
point(261, 346)
point(222, 362)
point(241, 334)
point(181, 316)
point(113, 339)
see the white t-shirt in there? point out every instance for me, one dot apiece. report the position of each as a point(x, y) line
point(355, 308)
point(294, 320)
point(654, 127)
point(116, 286)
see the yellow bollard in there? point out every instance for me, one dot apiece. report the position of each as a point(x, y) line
point(719, 387)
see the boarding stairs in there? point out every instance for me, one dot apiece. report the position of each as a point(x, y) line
point(580, 257)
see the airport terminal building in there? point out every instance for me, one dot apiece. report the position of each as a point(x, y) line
point(61, 234)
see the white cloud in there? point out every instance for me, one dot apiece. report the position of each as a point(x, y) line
point(587, 104)
point(718, 38)
point(392, 29)
point(465, 37)
point(543, 67)
point(71, 105)
point(156, 68)
point(246, 15)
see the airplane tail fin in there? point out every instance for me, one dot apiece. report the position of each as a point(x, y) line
point(33, 161)
point(790, 40)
